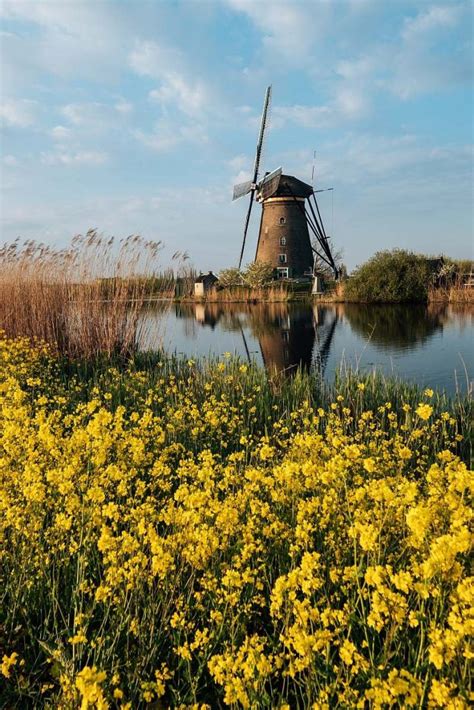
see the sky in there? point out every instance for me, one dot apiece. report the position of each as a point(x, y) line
point(137, 117)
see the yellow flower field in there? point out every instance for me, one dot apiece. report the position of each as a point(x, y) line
point(161, 551)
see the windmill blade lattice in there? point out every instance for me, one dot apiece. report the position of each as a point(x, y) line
point(239, 189)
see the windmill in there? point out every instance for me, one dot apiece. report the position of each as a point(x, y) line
point(289, 212)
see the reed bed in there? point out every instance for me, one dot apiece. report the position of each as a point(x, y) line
point(458, 293)
point(82, 300)
point(246, 294)
point(197, 534)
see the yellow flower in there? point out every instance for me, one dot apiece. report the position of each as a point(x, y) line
point(424, 411)
point(7, 664)
point(346, 652)
point(369, 465)
point(88, 683)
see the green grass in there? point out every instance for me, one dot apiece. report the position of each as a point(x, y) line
point(237, 381)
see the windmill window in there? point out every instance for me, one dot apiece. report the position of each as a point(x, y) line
point(282, 220)
point(283, 241)
point(282, 258)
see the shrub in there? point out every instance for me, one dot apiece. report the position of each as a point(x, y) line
point(230, 277)
point(258, 273)
point(393, 276)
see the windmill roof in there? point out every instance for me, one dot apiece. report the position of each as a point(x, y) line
point(289, 185)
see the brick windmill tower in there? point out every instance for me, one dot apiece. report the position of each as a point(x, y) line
point(290, 212)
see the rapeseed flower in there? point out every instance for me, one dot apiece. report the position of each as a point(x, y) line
point(160, 546)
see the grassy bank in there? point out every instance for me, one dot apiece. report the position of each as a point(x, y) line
point(194, 534)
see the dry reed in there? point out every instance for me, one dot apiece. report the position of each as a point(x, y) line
point(248, 294)
point(459, 291)
point(84, 300)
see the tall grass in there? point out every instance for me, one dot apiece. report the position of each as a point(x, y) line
point(236, 381)
point(278, 292)
point(458, 291)
point(83, 300)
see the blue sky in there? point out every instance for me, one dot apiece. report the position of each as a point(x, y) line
point(138, 117)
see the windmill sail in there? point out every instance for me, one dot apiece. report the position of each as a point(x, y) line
point(269, 185)
point(239, 190)
point(242, 189)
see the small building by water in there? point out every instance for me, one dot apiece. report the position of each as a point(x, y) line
point(204, 283)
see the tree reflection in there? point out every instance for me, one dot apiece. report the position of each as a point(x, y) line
point(395, 326)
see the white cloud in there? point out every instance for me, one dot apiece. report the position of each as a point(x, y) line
point(20, 113)
point(417, 66)
point(289, 28)
point(189, 94)
point(60, 133)
point(307, 116)
point(72, 37)
point(82, 157)
point(347, 104)
point(351, 102)
point(150, 59)
point(189, 98)
point(124, 107)
point(429, 20)
point(10, 161)
point(80, 114)
point(167, 135)
point(356, 69)
point(239, 162)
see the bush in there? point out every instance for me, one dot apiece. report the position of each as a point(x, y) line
point(230, 277)
point(395, 276)
point(258, 273)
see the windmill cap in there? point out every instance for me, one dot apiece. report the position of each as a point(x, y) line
point(290, 185)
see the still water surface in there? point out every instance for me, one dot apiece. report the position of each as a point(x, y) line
point(430, 345)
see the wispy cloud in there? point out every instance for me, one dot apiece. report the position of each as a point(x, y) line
point(20, 113)
point(60, 133)
point(428, 20)
point(10, 161)
point(189, 94)
point(82, 158)
point(166, 135)
point(288, 28)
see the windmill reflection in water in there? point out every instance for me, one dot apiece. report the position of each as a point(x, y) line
point(289, 337)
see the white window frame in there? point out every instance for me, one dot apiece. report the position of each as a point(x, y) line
point(282, 259)
point(282, 272)
point(282, 220)
point(283, 241)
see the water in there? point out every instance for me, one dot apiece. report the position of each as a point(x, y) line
point(429, 345)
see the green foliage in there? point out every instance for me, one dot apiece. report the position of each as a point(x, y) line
point(230, 277)
point(258, 274)
point(395, 276)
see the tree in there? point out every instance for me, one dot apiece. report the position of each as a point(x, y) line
point(395, 276)
point(230, 277)
point(258, 273)
point(322, 268)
